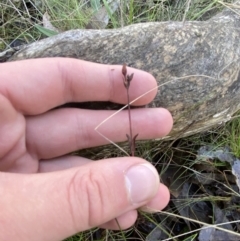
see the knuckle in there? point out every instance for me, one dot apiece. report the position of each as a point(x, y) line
point(86, 198)
point(110, 84)
point(67, 89)
point(82, 134)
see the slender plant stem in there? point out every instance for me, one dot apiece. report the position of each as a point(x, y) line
point(130, 124)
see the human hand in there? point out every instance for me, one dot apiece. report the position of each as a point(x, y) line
point(49, 195)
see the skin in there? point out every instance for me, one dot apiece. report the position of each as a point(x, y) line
point(47, 194)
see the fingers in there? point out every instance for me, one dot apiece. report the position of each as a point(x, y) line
point(37, 85)
point(62, 163)
point(12, 138)
point(62, 131)
point(125, 220)
point(122, 222)
point(155, 204)
point(67, 202)
point(128, 219)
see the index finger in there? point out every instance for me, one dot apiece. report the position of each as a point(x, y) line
point(38, 85)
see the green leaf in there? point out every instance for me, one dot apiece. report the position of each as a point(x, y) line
point(45, 31)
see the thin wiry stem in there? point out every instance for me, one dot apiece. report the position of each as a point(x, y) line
point(129, 114)
point(130, 138)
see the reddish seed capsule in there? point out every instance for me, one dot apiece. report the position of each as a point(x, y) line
point(130, 77)
point(124, 70)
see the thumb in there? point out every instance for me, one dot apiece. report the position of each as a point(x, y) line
point(53, 206)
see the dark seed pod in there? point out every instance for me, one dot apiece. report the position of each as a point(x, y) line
point(130, 77)
point(124, 70)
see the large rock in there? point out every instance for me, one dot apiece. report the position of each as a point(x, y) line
point(198, 61)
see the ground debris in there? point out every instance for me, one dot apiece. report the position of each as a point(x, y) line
point(224, 155)
point(212, 234)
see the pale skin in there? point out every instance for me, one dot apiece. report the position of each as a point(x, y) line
point(47, 194)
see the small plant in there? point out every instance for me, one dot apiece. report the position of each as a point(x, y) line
point(127, 81)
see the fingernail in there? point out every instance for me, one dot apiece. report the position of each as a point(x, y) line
point(142, 182)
